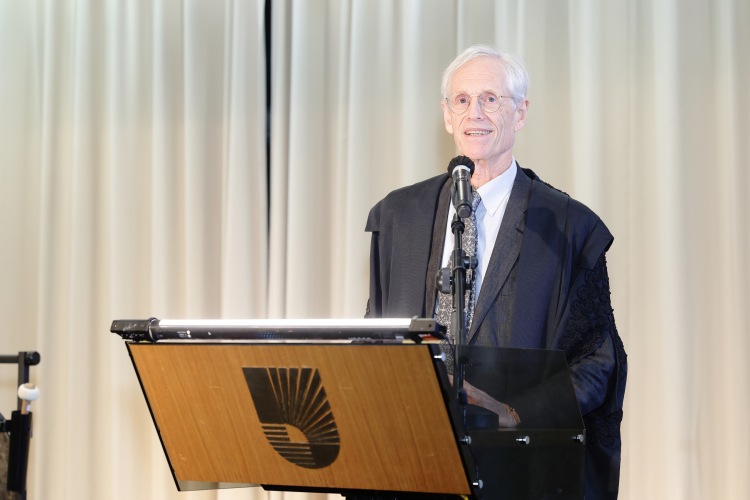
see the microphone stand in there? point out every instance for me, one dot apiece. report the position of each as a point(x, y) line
point(453, 280)
point(458, 317)
point(459, 264)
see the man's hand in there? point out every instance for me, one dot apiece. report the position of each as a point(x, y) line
point(507, 416)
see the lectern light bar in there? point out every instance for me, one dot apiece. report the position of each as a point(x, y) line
point(380, 323)
point(283, 330)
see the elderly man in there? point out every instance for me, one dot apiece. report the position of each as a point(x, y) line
point(541, 279)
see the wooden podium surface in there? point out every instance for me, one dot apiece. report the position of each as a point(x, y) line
point(385, 426)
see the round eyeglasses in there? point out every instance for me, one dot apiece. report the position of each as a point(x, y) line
point(488, 102)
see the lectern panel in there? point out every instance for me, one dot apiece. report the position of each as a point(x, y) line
point(312, 416)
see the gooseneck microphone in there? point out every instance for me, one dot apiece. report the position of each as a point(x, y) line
point(461, 168)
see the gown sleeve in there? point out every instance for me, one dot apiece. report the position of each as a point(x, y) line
point(598, 368)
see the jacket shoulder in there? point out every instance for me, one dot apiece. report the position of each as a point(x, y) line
point(587, 233)
point(585, 229)
point(395, 201)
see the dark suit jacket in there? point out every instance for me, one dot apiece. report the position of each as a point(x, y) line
point(546, 287)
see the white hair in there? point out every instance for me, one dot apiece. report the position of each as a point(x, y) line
point(516, 74)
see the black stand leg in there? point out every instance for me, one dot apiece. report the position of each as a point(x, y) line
point(19, 428)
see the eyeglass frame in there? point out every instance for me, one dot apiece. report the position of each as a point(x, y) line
point(481, 104)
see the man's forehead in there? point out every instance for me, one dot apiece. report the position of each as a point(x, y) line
point(482, 74)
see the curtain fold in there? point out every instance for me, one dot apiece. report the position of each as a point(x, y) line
point(361, 93)
point(134, 184)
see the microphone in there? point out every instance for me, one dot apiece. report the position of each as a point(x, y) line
point(461, 168)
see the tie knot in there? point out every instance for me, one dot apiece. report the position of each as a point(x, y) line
point(475, 202)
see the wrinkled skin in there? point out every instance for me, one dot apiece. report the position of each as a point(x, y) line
point(491, 152)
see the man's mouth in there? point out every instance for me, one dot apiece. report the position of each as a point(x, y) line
point(477, 132)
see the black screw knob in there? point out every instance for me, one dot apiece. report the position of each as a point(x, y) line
point(443, 280)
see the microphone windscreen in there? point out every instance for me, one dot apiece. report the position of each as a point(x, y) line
point(460, 160)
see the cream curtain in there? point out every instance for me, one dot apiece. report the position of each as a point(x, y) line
point(638, 109)
point(132, 184)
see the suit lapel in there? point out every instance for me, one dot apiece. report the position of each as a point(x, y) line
point(413, 232)
point(506, 249)
point(436, 249)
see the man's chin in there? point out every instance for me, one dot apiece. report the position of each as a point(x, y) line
point(476, 156)
point(475, 151)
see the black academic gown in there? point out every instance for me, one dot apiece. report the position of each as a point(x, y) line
point(546, 286)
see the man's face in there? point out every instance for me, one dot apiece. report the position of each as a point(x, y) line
point(483, 136)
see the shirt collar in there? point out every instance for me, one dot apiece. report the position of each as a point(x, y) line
point(495, 191)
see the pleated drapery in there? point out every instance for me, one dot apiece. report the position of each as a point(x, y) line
point(133, 184)
point(133, 178)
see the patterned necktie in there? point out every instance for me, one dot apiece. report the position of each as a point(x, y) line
point(445, 300)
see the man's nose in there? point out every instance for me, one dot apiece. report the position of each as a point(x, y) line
point(475, 110)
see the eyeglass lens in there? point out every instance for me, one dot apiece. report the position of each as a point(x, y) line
point(488, 101)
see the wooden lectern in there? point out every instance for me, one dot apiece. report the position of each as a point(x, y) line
point(361, 411)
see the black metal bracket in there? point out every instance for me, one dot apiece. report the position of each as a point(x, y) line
point(137, 330)
point(19, 426)
point(24, 360)
point(425, 329)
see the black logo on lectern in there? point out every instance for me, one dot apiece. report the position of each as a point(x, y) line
point(293, 409)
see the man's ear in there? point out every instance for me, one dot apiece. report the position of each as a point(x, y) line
point(447, 117)
point(521, 113)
